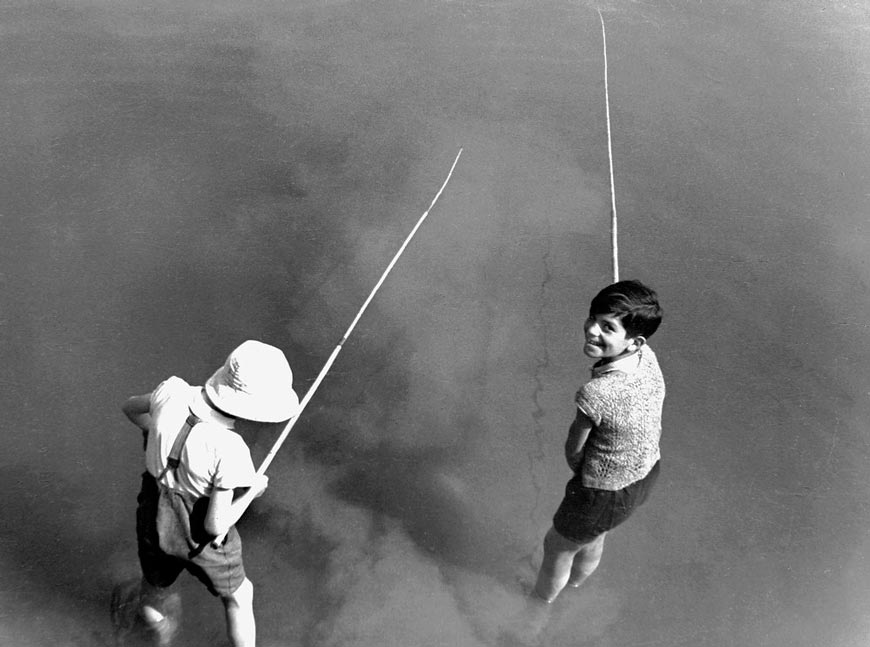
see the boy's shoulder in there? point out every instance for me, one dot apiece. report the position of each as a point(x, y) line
point(646, 370)
point(172, 386)
point(218, 439)
point(650, 359)
point(650, 363)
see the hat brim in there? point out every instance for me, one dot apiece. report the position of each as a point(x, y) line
point(258, 409)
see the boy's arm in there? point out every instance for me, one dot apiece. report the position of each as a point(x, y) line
point(224, 511)
point(138, 409)
point(577, 435)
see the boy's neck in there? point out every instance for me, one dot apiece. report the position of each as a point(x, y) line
point(216, 414)
point(611, 360)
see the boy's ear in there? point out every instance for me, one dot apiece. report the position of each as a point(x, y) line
point(639, 341)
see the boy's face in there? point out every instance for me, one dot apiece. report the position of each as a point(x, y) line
point(606, 338)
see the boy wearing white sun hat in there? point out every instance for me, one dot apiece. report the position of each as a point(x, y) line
point(187, 510)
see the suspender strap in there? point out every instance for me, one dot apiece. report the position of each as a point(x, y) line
point(174, 459)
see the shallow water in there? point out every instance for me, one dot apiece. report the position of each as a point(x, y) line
point(179, 177)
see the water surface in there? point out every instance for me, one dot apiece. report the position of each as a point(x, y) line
point(179, 177)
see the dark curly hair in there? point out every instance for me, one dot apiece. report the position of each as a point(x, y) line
point(634, 304)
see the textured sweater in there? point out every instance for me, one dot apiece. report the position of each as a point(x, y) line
point(624, 401)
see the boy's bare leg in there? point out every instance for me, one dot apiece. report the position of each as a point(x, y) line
point(555, 570)
point(239, 607)
point(151, 603)
point(586, 561)
point(160, 610)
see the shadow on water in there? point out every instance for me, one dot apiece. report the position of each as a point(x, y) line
point(53, 566)
point(422, 490)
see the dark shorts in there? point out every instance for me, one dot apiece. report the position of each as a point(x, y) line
point(587, 512)
point(171, 538)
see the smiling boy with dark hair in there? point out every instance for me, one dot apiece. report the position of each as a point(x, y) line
point(613, 443)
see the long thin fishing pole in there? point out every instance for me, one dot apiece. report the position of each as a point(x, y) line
point(613, 224)
point(286, 431)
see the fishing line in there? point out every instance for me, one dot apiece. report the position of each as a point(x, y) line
point(286, 431)
point(613, 224)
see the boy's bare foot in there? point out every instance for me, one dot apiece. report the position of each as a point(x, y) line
point(131, 628)
point(527, 586)
point(540, 598)
point(163, 630)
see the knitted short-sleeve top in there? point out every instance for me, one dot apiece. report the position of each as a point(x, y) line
point(624, 401)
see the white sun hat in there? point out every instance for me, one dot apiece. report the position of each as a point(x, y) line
point(255, 383)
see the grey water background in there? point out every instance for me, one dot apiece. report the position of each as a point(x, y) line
point(180, 176)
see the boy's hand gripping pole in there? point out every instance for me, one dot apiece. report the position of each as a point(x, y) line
point(286, 431)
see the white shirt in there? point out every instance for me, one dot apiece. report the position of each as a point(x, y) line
point(214, 456)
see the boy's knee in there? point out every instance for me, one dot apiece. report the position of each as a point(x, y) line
point(554, 542)
point(242, 596)
point(151, 595)
point(596, 546)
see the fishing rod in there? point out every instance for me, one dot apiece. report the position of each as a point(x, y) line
point(289, 426)
point(613, 224)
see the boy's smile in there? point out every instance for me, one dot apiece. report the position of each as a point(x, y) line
point(606, 338)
